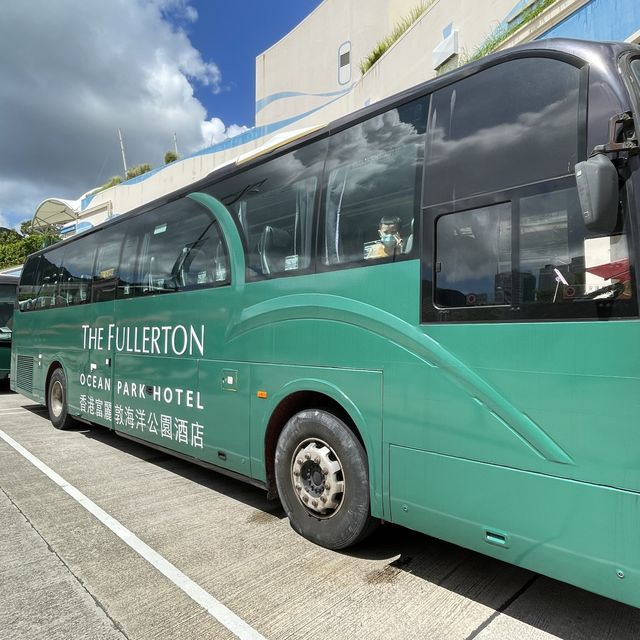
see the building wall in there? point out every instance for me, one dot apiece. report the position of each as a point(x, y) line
point(300, 73)
point(297, 78)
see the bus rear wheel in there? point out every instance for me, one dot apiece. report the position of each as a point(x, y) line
point(57, 401)
point(323, 480)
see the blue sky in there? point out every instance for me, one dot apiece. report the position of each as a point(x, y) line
point(82, 70)
point(232, 34)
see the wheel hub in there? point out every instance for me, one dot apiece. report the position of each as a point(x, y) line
point(318, 481)
point(57, 398)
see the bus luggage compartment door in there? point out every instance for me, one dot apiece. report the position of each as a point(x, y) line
point(224, 393)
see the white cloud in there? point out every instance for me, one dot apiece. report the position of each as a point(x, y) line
point(214, 131)
point(235, 130)
point(79, 72)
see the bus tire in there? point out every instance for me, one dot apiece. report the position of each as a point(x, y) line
point(322, 477)
point(57, 401)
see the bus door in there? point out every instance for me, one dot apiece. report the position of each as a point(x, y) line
point(97, 377)
point(225, 397)
point(172, 309)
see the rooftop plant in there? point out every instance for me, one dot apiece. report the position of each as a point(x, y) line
point(503, 32)
point(399, 29)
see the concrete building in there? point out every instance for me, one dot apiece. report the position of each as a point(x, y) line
point(313, 75)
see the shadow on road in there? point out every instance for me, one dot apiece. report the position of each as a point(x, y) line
point(553, 607)
point(230, 487)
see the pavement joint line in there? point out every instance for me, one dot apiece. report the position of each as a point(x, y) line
point(214, 607)
point(66, 566)
point(505, 605)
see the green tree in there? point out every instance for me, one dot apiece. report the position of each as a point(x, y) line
point(15, 247)
point(138, 170)
point(8, 235)
point(112, 182)
point(26, 227)
point(170, 156)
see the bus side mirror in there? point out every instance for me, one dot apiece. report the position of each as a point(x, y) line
point(597, 180)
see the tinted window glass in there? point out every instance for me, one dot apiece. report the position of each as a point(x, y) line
point(29, 283)
point(7, 300)
point(531, 256)
point(509, 125)
point(473, 263)
point(108, 243)
point(75, 286)
point(51, 268)
point(176, 247)
point(561, 262)
point(273, 204)
point(373, 185)
point(635, 68)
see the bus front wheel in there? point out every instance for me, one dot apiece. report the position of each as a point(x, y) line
point(57, 401)
point(323, 480)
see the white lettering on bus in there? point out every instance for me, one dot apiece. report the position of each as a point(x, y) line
point(145, 339)
point(95, 382)
point(176, 350)
point(92, 337)
point(119, 345)
point(166, 337)
point(182, 397)
point(131, 389)
point(193, 340)
point(176, 340)
point(155, 336)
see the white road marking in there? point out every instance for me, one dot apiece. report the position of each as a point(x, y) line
point(214, 607)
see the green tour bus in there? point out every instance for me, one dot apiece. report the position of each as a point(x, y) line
point(8, 287)
point(424, 313)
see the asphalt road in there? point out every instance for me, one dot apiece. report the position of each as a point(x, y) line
point(65, 573)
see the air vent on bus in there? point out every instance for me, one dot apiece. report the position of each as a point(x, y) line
point(24, 373)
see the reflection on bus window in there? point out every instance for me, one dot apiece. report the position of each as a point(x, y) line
point(274, 206)
point(508, 125)
point(176, 247)
point(375, 171)
point(473, 264)
point(558, 261)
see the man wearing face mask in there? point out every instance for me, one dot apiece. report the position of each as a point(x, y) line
point(390, 243)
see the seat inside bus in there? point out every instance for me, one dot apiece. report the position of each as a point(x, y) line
point(274, 246)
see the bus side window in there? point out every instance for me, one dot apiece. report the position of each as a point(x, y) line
point(374, 172)
point(105, 272)
point(558, 268)
point(50, 279)
point(29, 283)
point(274, 208)
point(177, 246)
point(204, 262)
point(75, 285)
point(473, 259)
point(512, 124)
point(128, 279)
